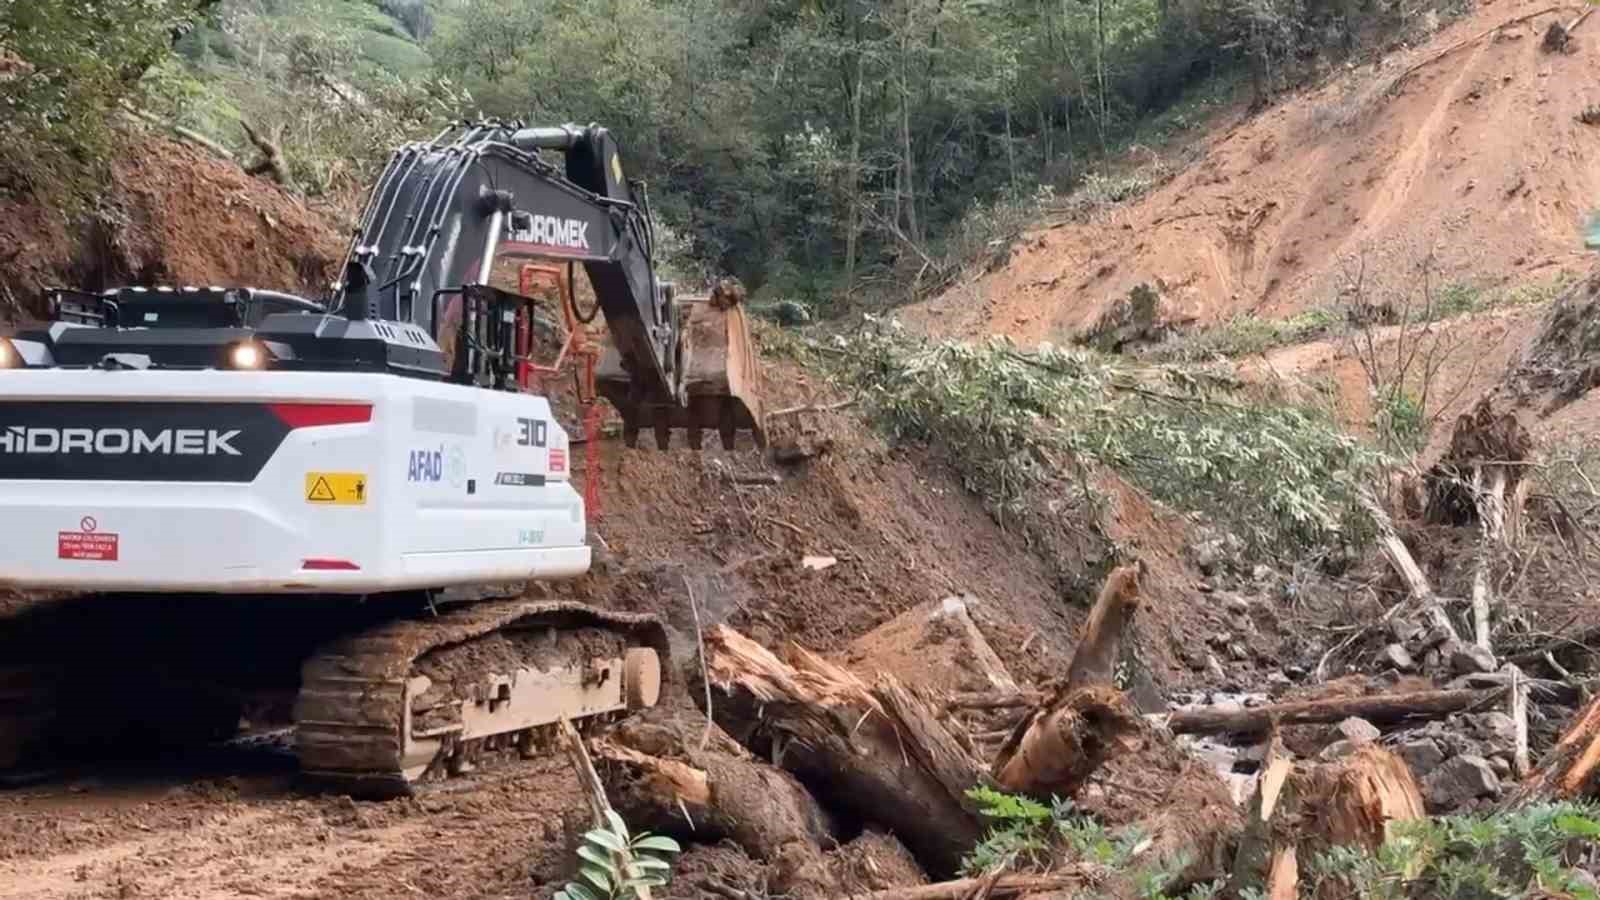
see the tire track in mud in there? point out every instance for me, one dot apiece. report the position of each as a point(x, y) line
point(258, 837)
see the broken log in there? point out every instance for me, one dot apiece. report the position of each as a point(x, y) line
point(1571, 770)
point(1311, 807)
point(876, 751)
point(1518, 688)
point(762, 809)
point(1055, 752)
point(1263, 858)
point(1405, 566)
point(1055, 749)
point(1382, 709)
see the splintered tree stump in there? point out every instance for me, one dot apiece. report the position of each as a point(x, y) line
point(1571, 770)
point(1060, 744)
point(874, 751)
point(1057, 750)
point(1306, 808)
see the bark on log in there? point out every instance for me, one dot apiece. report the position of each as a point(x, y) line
point(1405, 566)
point(1571, 770)
point(762, 809)
point(1384, 709)
point(1314, 806)
point(877, 751)
point(1055, 749)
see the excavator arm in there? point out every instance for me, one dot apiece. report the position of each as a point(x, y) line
point(442, 213)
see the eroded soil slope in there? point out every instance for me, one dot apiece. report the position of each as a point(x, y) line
point(1469, 147)
point(170, 215)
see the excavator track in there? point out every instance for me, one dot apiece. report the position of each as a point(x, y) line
point(417, 700)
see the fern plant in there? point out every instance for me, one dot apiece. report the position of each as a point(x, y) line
point(616, 864)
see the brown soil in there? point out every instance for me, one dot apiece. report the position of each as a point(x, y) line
point(171, 215)
point(1474, 155)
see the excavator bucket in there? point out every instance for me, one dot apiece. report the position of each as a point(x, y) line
point(718, 374)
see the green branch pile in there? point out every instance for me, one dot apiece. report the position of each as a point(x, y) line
point(1015, 421)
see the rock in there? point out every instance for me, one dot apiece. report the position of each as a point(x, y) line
point(1220, 639)
point(1468, 658)
point(1499, 729)
point(1431, 660)
point(1237, 604)
point(1238, 652)
point(1214, 668)
point(1278, 678)
point(1358, 730)
point(1397, 657)
point(1338, 749)
point(1402, 630)
point(1261, 572)
point(1422, 756)
point(1501, 766)
point(1296, 672)
point(1460, 780)
point(1435, 636)
point(1208, 556)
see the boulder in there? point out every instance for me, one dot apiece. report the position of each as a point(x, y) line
point(1358, 730)
point(1461, 780)
point(1422, 755)
point(1468, 658)
point(1397, 657)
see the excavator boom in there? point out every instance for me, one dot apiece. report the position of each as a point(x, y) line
point(443, 212)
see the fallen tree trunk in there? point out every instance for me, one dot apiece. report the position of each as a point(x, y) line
point(1571, 770)
point(762, 809)
point(875, 751)
point(1382, 709)
point(1055, 749)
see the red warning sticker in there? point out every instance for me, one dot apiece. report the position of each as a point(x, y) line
point(87, 544)
point(558, 460)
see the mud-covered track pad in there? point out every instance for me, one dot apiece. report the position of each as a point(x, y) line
point(359, 728)
point(141, 441)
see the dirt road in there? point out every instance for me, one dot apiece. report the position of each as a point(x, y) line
point(240, 828)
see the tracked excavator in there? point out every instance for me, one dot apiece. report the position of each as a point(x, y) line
point(228, 480)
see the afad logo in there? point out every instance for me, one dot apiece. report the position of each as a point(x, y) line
point(426, 466)
point(434, 466)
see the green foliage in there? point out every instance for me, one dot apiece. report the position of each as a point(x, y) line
point(338, 85)
point(1523, 853)
point(1249, 335)
point(1029, 835)
point(1013, 421)
point(79, 59)
point(603, 876)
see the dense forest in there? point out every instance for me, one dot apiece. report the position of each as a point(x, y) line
point(816, 148)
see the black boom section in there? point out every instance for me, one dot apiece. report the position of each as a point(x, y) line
point(441, 211)
point(137, 441)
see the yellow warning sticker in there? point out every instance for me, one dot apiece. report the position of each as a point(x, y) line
point(337, 488)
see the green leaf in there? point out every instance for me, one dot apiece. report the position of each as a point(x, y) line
point(617, 825)
point(650, 864)
point(598, 877)
point(659, 842)
point(1578, 826)
point(593, 855)
point(575, 891)
point(606, 839)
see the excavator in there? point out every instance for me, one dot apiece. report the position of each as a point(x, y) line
point(364, 484)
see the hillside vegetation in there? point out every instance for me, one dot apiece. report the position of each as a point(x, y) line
point(816, 149)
